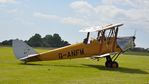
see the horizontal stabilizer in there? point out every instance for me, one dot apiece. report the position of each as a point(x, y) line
point(29, 56)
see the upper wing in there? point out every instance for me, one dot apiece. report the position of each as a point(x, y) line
point(100, 28)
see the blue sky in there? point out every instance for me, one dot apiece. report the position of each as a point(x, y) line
point(23, 18)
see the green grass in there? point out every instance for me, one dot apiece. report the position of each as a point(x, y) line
point(133, 70)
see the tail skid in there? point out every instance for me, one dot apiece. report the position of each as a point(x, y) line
point(22, 51)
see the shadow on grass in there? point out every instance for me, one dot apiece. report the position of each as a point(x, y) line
point(31, 64)
point(99, 67)
point(120, 69)
point(73, 66)
point(56, 65)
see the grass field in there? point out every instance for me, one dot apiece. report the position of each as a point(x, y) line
point(133, 70)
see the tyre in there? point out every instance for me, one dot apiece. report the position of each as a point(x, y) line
point(108, 64)
point(114, 65)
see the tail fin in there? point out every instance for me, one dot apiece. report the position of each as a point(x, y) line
point(21, 49)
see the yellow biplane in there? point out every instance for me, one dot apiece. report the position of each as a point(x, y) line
point(105, 45)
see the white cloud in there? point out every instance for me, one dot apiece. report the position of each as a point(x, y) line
point(46, 16)
point(12, 11)
point(107, 11)
point(133, 9)
point(72, 20)
point(131, 12)
point(8, 10)
point(65, 20)
point(7, 1)
point(134, 12)
point(81, 6)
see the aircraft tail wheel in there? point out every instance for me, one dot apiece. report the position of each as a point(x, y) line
point(114, 64)
point(25, 62)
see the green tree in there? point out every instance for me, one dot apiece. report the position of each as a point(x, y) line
point(7, 42)
point(56, 40)
point(47, 41)
point(35, 41)
point(64, 43)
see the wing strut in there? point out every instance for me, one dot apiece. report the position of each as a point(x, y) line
point(116, 33)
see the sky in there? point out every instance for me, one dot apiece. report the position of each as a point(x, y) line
point(23, 18)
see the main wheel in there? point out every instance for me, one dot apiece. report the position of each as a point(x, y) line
point(114, 64)
point(108, 64)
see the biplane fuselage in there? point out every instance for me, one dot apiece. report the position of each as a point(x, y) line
point(78, 50)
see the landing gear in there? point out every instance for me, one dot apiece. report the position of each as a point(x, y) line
point(109, 63)
point(25, 61)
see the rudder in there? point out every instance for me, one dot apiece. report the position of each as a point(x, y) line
point(21, 49)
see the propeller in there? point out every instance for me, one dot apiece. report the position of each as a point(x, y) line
point(135, 32)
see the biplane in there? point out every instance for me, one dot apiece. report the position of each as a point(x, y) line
point(106, 45)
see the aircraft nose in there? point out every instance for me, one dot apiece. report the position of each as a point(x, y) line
point(126, 42)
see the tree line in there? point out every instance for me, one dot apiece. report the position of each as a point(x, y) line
point(37, 41)
point(139, 49)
